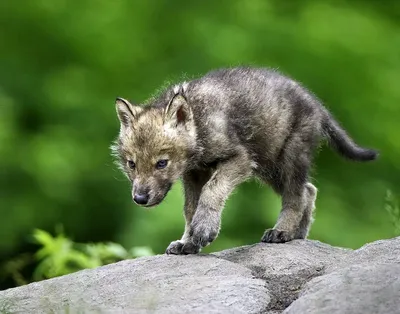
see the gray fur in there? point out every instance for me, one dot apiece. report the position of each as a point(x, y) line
point(222, 129)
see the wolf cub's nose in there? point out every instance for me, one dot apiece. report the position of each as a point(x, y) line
point(141, 199)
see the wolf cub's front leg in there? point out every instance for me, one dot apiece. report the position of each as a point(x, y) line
point(193, 183)
point(203, 224)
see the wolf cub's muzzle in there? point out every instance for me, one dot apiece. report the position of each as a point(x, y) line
point(141, 199)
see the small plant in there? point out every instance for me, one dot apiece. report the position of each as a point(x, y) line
point(58, 255)
point(392, 207)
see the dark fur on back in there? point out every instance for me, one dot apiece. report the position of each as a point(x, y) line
point(224, 128)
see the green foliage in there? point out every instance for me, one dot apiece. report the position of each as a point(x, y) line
point(58, 255)
point(392, 207)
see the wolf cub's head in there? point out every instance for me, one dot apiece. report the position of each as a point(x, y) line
point(153, 146)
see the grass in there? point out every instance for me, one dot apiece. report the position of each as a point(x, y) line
point(392, 207)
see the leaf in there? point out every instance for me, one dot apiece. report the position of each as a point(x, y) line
point(140, 251)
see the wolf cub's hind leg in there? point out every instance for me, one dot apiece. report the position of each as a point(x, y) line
point(290, 180)
point(295, 218)
point(298, 196)
point(307, 220)
point(293, 208)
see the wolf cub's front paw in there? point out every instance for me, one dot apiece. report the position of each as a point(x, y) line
point(277, 236)
point(175, 248)
point(179, 248)
point(204, 231)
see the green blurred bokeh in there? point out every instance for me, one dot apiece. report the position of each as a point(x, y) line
point(62, 63)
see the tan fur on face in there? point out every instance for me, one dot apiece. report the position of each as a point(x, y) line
point(150, 136)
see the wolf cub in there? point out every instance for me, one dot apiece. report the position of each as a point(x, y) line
point(219, 130)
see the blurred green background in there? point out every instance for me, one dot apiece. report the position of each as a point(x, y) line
point(62, 63)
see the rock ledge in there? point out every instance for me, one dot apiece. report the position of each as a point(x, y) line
point(301, 276)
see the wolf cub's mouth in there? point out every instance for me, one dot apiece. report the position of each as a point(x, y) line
point(152, 204)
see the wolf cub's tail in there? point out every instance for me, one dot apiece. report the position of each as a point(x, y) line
point(342, 143)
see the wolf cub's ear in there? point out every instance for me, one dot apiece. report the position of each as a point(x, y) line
point(178, 111)
point(126, 112)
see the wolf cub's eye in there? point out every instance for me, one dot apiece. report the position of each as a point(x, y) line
point(131, 164)
point(161, 164)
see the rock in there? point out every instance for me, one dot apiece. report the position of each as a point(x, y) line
point(286, 268)
point(301, 276)
point(365, 281)
point(382, 251)
point(159, 284)
point(353, 290)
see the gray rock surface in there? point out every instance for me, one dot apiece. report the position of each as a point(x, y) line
point(356, 289)
point(286, 267)
point(301, 276)
point(159, 284)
